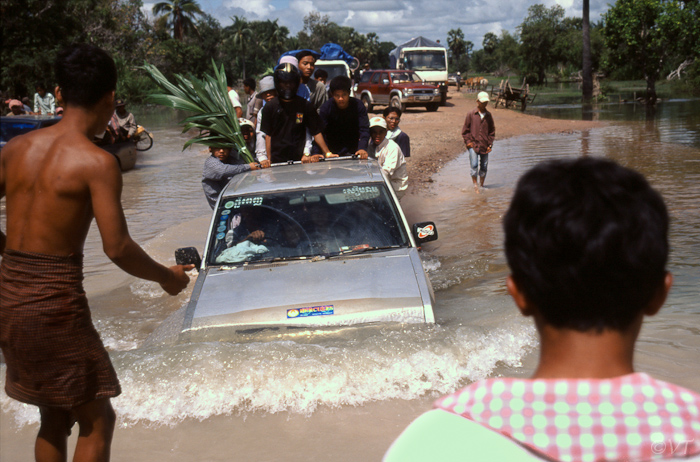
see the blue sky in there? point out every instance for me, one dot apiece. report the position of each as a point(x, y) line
point(397, 20)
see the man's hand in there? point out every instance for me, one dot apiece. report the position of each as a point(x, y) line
point(311, 159)
point(177, 279)
point(255, 166)
point(362, 154)
point(488, 149)
point(330, 155)
point(265, 163)
point(256, 236)
point(470, 145)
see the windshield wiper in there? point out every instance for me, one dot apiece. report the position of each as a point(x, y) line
point(344, 253)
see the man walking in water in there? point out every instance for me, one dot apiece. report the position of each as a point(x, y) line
point(479, 132)
point(56, 180)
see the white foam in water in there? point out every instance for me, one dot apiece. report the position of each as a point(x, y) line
point(163, 386)
point(147, 290)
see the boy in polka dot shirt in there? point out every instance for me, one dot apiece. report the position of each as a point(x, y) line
point(586, 242)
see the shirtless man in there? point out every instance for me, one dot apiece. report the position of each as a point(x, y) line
point(56, 180)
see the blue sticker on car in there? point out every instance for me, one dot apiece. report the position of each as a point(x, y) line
point(220, 236)
point(221, 228)
point(225, 212)
point(310, 311)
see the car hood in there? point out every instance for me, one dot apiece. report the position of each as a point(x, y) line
point(339, 291)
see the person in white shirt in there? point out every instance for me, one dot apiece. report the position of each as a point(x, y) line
point(236, 101)
point(389, 155)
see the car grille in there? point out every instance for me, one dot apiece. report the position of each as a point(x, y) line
point(423, 92)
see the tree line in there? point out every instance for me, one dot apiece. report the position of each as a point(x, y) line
point(635, 39)
point(179, 39)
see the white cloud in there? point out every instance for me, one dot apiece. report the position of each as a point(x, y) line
point(259, 8)
point(401, 20)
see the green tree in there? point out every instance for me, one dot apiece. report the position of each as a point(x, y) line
point(239, 34)
point(539, 33)
point(647, 33)
point(178, 15)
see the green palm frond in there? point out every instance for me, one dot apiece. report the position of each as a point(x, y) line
point(213, 113)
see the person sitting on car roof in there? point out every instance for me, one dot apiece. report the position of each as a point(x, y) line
point(286, 120)
point(389, 155)
point(346, 125)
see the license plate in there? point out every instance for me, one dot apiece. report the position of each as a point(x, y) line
point(424, 98)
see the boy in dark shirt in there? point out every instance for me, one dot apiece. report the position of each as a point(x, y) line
point(346, 125)
point(287, 118)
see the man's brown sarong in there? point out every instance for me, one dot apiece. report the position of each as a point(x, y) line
point(53, 353)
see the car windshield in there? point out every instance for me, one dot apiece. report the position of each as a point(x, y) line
point(323, 222)
point(397, 77)
point(425, 60)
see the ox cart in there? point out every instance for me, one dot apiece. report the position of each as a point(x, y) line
point(510, 97)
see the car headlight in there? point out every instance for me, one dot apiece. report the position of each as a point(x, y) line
point(407, 91)
point(436, 91)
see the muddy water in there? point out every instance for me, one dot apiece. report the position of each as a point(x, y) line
point(345, 395)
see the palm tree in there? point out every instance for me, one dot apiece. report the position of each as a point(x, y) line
point(178, 15)
point(239, 35)
point(277, 39)
point(587, 85)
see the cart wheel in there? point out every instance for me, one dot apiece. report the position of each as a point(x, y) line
point(145, 141)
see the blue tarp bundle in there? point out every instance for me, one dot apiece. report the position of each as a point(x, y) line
point(329, 51)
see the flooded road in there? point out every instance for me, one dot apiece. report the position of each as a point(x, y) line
point(346, 396)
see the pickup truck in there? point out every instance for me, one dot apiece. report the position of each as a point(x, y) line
point(398, 88)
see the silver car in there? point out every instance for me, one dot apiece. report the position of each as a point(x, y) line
point(307, 245)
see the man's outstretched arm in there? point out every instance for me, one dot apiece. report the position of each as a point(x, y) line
point(105, 191)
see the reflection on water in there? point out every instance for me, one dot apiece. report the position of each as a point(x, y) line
point(675, 121)
point(478, 333)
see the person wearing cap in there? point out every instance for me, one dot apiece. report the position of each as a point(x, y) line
point(346, 125)
point(122, 123)
point(389, 155)
point(221, 165)
point(286, 119)
point(267, 93)
point(252, 143)
point(15, 106)
point(478, 133)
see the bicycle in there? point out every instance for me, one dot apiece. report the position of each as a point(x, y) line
point(143, 139)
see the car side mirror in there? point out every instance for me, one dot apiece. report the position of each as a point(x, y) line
point(188, 256)
point(424, 232)
point(385, 81)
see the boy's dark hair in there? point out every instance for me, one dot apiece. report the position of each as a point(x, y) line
point(84, 73)
point(304, 54)
point(320, 74)
point(249, 82)
point(391, 109)
point(340, 82)
point(587, 243)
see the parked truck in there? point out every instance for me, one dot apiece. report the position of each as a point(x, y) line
point(426, 58)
